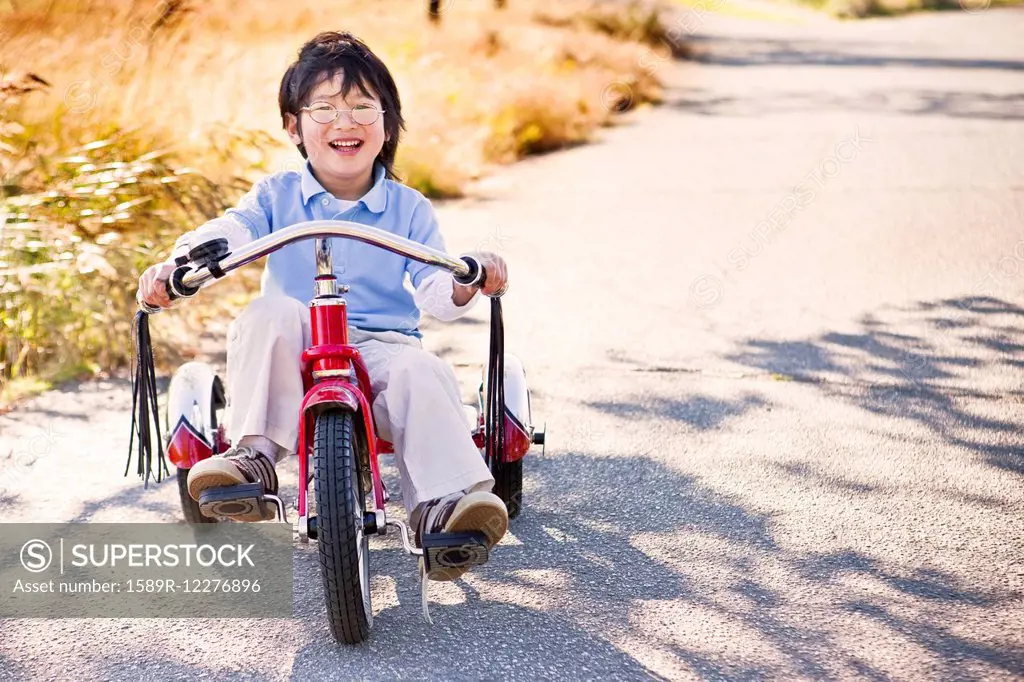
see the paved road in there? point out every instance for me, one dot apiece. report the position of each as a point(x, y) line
point(774, 328)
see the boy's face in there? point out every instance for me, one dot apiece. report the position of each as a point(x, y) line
point(341, 152)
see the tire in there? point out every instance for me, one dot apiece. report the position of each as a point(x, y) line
point(340, 504)
point(189, 507)
point(508, 485)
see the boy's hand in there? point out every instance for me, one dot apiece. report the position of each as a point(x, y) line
point(496, 281)
point(153, 285)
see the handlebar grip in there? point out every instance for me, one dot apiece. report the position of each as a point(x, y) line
point(476, 276)
point(176, 287)
point(170, 290)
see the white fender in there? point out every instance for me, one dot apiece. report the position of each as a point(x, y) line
point(517, 393)
point(191, 396)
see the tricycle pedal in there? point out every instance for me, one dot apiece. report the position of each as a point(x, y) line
point(245, 501)
point(454, 550)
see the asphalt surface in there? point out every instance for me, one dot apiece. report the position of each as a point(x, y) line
point(774, 329)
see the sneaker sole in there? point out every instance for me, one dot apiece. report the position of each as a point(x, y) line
point(479, 512)
point(482, 512)
point(220, 473)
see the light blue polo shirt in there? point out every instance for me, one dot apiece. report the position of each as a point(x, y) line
point(379, 299)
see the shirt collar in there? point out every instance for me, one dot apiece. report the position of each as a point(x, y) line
point(375, 201)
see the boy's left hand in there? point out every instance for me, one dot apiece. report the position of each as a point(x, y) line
point(496, 281)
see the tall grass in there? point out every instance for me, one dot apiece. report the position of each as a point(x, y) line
point(128, 122)
point(77, 229)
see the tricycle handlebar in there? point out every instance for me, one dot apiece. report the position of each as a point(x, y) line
point(187, 279)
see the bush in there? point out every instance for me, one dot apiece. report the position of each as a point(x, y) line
point(425, 168)
point(637, 21)
point(78, 228)
point(532, 123)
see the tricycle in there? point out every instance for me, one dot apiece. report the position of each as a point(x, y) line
point(338, 444)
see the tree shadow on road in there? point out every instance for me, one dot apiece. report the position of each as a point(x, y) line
point(761, 51)
point(563, 596)
point(11, 669)
point(909, 102)
point(923, 363)
point(134, 498)
point(9, 501)
point(753, 52)
point(699, 412)
point(609, 546)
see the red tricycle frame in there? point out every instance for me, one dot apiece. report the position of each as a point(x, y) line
point(334, 375)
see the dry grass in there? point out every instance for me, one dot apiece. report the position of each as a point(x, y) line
point(635, 21)
point(198, 82)
point(183, 71)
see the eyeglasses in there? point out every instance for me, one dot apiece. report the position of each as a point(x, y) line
point(363, 114)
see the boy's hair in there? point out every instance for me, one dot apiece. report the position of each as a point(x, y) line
point(325, 56)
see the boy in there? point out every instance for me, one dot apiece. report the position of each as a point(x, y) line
point(341, 108)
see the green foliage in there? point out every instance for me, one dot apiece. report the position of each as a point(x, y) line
point(76, 229)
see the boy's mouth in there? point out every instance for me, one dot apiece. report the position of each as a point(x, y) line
point(345, 146)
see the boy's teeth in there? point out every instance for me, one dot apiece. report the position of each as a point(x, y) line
point(353, 143)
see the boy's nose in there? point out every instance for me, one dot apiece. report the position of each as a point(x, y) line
point(344, 121)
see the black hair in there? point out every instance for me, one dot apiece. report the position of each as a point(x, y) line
point(329, 54)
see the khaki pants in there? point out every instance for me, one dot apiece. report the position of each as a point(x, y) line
point(417, 404)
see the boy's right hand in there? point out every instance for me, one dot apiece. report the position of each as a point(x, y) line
point(153, 284)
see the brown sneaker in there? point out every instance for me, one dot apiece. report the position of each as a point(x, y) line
point(236, 466)
point(482, 512)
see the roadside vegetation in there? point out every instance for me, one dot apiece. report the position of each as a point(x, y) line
point(124, 123)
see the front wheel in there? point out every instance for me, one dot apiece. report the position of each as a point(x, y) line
point(340, 505)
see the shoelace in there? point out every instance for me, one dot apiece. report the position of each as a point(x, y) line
point(430, 513)
point(424, 582)
point(256, 465)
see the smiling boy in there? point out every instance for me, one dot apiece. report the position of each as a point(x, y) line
point(341, 108)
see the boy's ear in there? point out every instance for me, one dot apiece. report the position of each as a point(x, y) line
point(291, 125)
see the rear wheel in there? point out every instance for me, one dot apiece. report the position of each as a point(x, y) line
point(189, 507)
point(508, 485)
point(340, 506)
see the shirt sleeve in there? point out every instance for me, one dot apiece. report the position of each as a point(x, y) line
point(247, 221)
point(434, 296)
point(424, 230)
point(433, 286)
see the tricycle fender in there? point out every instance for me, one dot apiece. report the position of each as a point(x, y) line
point(331, 394)
point(195, 394)
point(519, 427)
point(337, 394)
